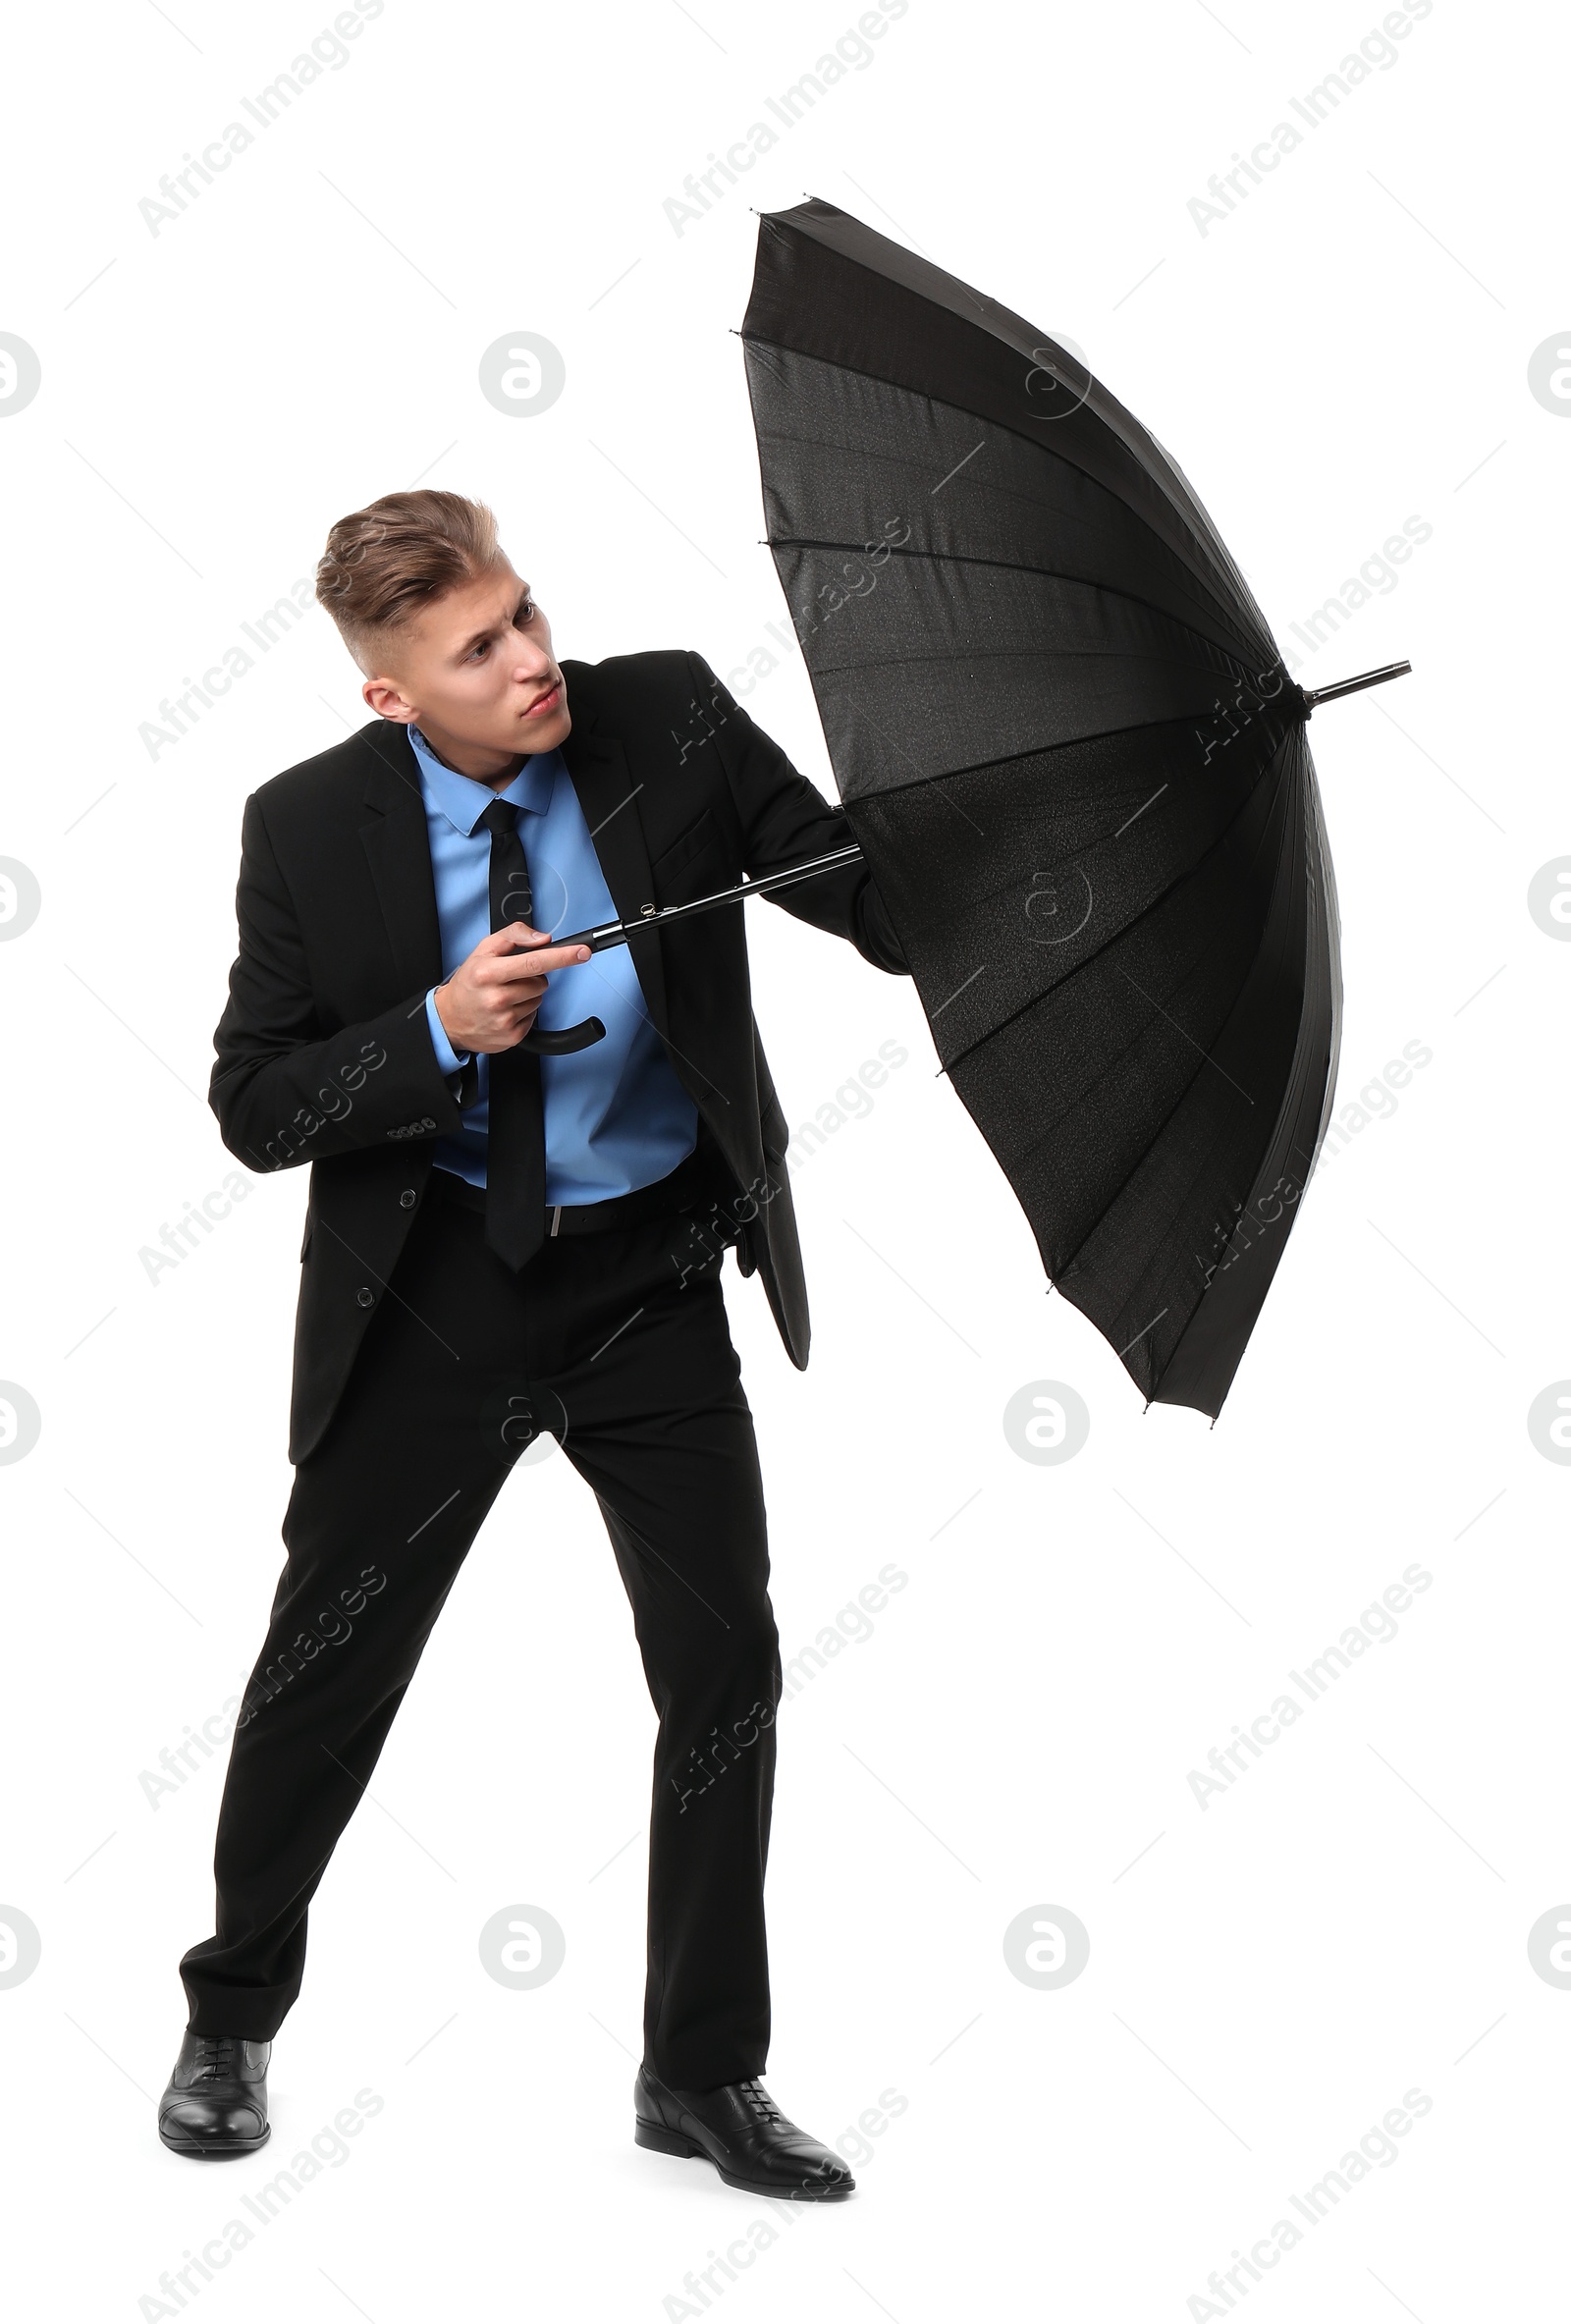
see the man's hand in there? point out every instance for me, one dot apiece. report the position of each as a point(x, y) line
point(489, 1004)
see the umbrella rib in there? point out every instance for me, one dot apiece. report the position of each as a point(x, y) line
point(1224, 604)
point(1228, 601)
point(1009, 565)
point(924, 777)
point(1034, 750)
point(1199, 1172)
point(1166, 1117)
point(1092, 957)
point(1189, 1037)
point(931, 660)
point(1099, 839)
point(1155, 465)
point(1073, 860)
point(1205, 546)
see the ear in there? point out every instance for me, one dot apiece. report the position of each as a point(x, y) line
point(382, 695)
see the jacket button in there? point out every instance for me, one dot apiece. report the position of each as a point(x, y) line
point(365, 1296)
point(406, 1199)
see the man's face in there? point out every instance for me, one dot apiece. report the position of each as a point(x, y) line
point(476, 673)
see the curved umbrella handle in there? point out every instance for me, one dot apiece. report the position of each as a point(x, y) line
point(564, 1040)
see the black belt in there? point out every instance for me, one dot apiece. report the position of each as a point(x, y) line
point(693, 1180)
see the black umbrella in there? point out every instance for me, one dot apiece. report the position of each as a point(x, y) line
point(1068, 745)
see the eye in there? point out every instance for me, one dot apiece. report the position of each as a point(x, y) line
point(524, 615)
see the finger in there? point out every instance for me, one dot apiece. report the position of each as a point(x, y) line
point(538, 962)
point(517, 1027)
point(506, 1000)
point(515, 935)
point(512, 934)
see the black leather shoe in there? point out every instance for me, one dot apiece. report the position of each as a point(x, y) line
point(741, 2129)
point(216, 2102)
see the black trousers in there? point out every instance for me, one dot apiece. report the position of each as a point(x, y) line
point(617, 1343)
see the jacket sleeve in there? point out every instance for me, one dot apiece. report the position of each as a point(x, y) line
point(783, 818)
point(285, 1090)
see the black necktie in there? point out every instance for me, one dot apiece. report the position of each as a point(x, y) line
point(516, 1144)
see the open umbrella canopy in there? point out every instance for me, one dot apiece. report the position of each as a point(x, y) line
point(1067, 742)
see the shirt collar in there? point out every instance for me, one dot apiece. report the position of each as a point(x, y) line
point(464, 801)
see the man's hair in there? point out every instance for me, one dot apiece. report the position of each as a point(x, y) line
point(386, 563)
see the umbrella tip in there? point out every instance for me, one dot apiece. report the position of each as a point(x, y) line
point(1355, 685)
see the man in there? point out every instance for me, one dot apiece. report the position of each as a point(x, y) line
point(507, 1233)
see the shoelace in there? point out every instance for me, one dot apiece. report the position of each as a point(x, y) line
point(217, 2058)
point(763, 2105)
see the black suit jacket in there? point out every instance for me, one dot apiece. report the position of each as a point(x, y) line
point(324, 1053)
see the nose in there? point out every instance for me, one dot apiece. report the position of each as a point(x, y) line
point(531, 668)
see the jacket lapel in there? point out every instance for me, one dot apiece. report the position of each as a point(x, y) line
point(608, 795)
point(397, 847)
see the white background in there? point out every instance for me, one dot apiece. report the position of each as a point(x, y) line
point(1269, 1975)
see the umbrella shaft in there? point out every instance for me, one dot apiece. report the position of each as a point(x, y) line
point(617, 932)
point(1355, 685)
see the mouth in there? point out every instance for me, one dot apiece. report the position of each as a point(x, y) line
point(544, 702)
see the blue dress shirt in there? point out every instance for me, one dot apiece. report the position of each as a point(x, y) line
point(615, 1114)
